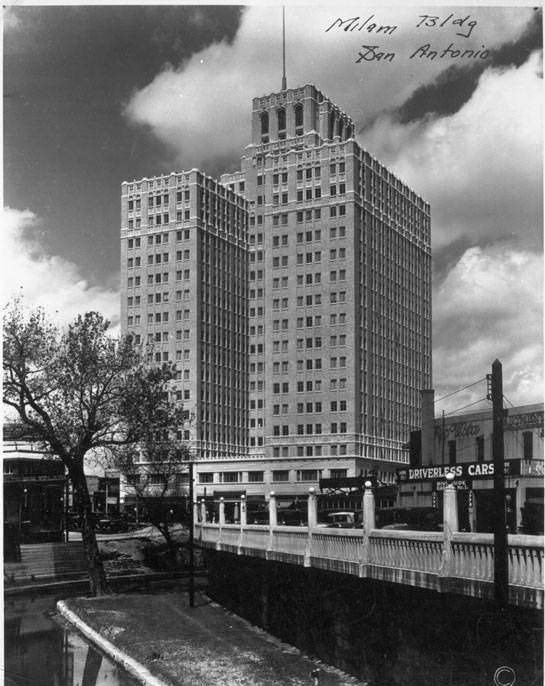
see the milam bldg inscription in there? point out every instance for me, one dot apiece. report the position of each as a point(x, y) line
point(462, 26)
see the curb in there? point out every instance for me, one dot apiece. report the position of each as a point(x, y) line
point(53, 584)
point(134, 668)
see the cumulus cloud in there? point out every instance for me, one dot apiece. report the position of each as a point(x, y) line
point(455, 85)
point(490, 306)
point(202, 107)
point(481, 168)
point(10, 19)
point(48, 281)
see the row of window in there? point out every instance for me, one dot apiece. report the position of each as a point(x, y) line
point(258, 476)
point(334, 211)
point(307, 173)
point(335, 406)
point(308, 429)
point(159, 200)
point(158, 258)
point(314, 451)
point(158, 220)
point(158, 239)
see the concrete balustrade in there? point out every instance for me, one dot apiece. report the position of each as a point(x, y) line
point(450, 526)
point(312, 509)
point(447, 561)
point(272, 510)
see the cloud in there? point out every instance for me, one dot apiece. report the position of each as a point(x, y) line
point(490, 306)
point(454, 86)
point(201, 108)
point(48, 281)
point(10, 18)
point(481, 168)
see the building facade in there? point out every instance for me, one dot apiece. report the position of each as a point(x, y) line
point(34, 491)
point(335, 305)
point(463, 444)
point(184, 299)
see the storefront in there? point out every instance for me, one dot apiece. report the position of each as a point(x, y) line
point(474, 481)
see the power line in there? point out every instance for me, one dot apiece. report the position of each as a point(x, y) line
point(460, 390)
point(464, 407)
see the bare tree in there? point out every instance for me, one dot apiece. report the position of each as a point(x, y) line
point(78, 390)
point(156, 474)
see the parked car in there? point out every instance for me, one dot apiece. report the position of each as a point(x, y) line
point(341, 520)
point(113, 525)
point(411, 518)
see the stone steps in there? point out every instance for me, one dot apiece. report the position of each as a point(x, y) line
point(47, 560)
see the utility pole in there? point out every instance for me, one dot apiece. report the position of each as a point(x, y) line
point(443, 438)
point(191, 539)
point(501, 573)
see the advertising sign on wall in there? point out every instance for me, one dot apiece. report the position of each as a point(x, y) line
point(463, 471)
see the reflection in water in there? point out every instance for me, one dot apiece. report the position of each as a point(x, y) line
point(41, 651)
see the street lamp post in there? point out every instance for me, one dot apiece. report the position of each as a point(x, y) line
point(191, 539)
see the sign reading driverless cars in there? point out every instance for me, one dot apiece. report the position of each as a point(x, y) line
point(464, 470)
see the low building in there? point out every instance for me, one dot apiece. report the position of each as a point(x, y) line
point(34, 491)
point(463, 444)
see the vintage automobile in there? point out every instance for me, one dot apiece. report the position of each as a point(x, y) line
point(341, 520)
point(411, 518)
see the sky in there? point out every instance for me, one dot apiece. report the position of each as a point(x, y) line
point(94, 95)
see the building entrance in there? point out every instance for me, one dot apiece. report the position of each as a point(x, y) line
point(484, 500)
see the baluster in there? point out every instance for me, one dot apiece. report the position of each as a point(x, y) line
point(517, 565)
point(490, 558)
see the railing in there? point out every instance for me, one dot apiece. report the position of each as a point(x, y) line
point(256, 536)
point(420, 551)
point(290, 539)
point(334, 544)
point(473, 558)
point(411, 557)
point(444, 561)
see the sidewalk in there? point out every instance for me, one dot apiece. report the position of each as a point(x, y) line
point(201, 646)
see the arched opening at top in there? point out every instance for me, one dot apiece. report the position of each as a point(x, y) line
point(281, 116)
point(298, 119)
point(331, 126)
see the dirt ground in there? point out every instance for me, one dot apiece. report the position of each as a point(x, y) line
point(122, 556)
point(201, 646)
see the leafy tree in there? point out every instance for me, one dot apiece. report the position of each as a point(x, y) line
point(80, 389)
point(154, 473)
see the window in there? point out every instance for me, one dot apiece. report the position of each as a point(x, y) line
point(307, 475)
point(528, 445)
point(229, 477)
point(298, 119)
point(281, 115)
point(264, 124)
point(255, 477)
point(338, 473)
point(280, 475)
point(206, 477)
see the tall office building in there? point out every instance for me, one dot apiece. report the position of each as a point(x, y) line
point(339, 304)
point(184, 296)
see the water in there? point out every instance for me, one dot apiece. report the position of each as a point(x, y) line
point(43, 650)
